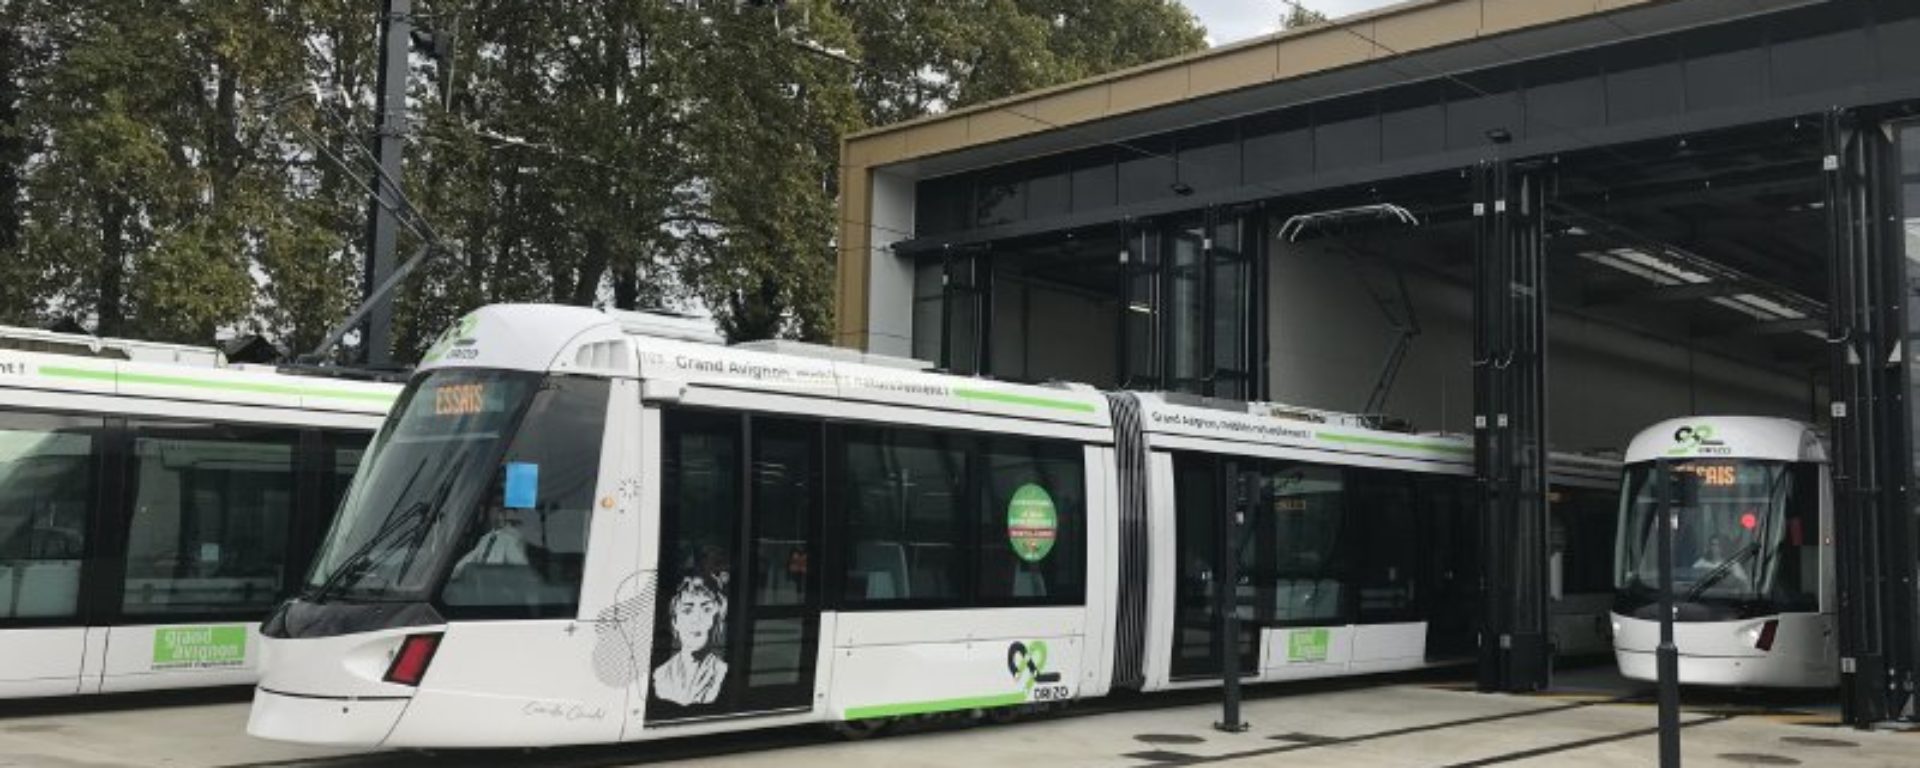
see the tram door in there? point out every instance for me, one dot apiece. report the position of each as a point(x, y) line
point(1203, 489)
point(1452, 566)
point(736, 621)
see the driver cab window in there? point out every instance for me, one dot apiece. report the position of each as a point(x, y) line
point(525, 552)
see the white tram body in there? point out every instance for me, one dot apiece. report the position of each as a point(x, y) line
point(669, 538)
point(1753, 558)
point(152, 508)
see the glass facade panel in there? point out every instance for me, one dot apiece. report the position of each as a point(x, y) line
point(1144, 177)
point(1187, 320)
point(47, 485)
point(211, 507)
point(1095, 185)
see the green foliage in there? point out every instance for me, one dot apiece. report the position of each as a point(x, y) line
point(171, 169)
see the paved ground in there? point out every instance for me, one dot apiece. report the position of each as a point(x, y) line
point(1592, 719)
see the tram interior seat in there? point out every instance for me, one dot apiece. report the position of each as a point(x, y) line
point(883, 568)
point(42, 587)
point(1027, 583)
point(1296, 599)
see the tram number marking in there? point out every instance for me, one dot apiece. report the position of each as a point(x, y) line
point(1052, 693)
point(459, 399)
point(13, 369)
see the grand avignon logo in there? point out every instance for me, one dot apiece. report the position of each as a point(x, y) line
point(1697, 438)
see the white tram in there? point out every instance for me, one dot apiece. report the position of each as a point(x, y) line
point(569, 533)
point(155, 503)
point(1752, 559)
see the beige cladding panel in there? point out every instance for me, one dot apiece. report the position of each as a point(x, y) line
point(1250, 66)
point(1150, 89)
point(852, 263)
point(877, 150)
point(1077, 105)
point(999, 124)
point(1436, 26)
point(935, 137)
point(1326, 49)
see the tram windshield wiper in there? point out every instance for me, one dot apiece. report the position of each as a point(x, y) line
point(1720, 571)
point(355, 564)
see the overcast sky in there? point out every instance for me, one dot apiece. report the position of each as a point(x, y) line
point(1230, 20)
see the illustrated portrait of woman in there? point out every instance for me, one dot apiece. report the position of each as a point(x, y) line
point(698, 614)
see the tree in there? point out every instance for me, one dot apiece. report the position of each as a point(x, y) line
point(919, 58)
point(1298, 16)
point(176, 170)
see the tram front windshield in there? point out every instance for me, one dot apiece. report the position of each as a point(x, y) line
point(1748, 545)
point(476, 471)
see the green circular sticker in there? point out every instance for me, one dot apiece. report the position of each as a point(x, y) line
point(1032, 523)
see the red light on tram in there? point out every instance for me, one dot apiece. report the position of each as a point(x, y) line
point(410, 664)
point(1749, 520)
point(1767, 631)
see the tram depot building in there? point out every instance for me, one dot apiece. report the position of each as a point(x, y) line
point(1546, 223)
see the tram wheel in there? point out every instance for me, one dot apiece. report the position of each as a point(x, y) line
point(856, 730)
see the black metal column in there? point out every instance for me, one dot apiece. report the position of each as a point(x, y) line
point(1510, 316)
point(1872, 449)
point(396, 39)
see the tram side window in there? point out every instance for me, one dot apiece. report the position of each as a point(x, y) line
point(46, 497)
point(1309, 580)
point(1383, 511)
point(906, 520)
point(210, 512)
point(1796, 584)
point(525, 550)
point(1032, 523)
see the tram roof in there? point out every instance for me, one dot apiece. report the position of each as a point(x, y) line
point(578, 340)
point(1728, 437)
point(190, 382)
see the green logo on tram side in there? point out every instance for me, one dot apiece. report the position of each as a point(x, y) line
point(1032, 523)
point(199, 647)
point(1307, 645)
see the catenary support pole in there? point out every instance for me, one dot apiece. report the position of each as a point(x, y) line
point(396, 37)
point(1227, 594)
point(1666, 654)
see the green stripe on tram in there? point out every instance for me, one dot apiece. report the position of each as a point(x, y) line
point(258, 388)
point(1384, 442)
point(938, 705)
point(1013, 399)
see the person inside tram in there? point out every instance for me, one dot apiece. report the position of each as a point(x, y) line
point(502, 545)
point(1714, 557)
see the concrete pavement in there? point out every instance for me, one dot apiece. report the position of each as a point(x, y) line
point(1594, 721)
